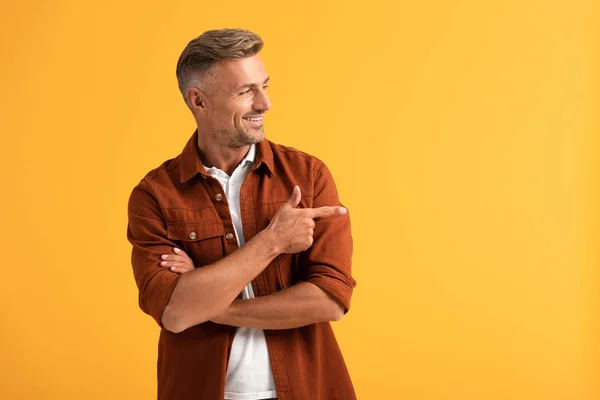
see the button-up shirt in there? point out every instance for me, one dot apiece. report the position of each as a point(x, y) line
point(175, 205)
point(249, 375)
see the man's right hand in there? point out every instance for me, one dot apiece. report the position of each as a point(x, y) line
point(293, 228)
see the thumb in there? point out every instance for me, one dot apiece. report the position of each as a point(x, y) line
point(295, 198)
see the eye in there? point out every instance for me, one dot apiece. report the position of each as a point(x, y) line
point(246, 91)
point(265, 86)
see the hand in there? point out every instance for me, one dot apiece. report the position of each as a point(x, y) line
point(293, 228)
point(179, 262)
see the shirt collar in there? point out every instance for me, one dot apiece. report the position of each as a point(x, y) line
point(191, 164)
point(250, 155)
point(248, 159)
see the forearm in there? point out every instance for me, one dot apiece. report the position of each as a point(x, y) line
point(206, 292)
point(300, 305)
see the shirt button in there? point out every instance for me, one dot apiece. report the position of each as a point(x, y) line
point(218, 197)
point(192, 235)
point(229, 236)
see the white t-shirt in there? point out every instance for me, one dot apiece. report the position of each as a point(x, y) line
point(249, 374)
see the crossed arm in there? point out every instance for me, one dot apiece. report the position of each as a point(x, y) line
point(299, 305)
point(178, 300)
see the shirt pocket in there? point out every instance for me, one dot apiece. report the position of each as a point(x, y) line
point(201, 240)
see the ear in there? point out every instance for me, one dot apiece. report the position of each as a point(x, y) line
point(196, 99)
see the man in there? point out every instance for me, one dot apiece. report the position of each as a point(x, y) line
point(241, 248)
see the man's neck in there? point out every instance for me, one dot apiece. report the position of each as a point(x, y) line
point(224, 158)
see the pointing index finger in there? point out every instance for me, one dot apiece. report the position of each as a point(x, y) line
point(325, 211)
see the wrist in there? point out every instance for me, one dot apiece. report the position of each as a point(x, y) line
point(269, 243)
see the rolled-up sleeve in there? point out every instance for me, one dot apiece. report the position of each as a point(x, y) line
point(328, 261)
point(147, 232)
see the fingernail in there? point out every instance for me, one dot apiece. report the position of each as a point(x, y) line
point(163, 263)
point(176, 250)
point(343, 210)
point(172, 269)
point(164, 257)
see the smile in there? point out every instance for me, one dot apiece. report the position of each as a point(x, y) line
point(258, 119)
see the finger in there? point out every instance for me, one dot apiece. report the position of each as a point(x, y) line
point(325, 211)
point(179, 270)
point(172, 263)
point(175, 257)
point(169, 264)
point(180, 252)
point(294, 200)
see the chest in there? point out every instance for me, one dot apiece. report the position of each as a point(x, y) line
point(199, 219)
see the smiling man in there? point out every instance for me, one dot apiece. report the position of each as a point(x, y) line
point(241, 247)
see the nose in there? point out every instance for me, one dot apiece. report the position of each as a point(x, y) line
point(261, 101)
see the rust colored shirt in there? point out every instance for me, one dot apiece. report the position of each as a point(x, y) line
point(176, 205)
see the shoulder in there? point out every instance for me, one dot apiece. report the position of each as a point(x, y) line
point(296, 167)
point(163, 178)
point(291, 156)
point(167, 168)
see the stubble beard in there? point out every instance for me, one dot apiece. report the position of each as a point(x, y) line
point(240, 137)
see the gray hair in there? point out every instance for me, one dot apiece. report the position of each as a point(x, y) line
point(198, 59)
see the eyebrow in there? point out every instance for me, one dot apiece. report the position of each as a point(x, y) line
point(250, 85)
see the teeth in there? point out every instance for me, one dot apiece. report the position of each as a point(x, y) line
point(253, 119)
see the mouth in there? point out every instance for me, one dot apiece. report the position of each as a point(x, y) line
point(255, 120)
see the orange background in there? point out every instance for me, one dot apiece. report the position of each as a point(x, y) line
point(463, 136)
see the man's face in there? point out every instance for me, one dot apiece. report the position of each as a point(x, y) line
point(237, 102)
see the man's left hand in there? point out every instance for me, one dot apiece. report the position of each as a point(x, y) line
point(178, 262)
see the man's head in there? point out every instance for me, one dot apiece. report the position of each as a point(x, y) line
point(223, 82)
